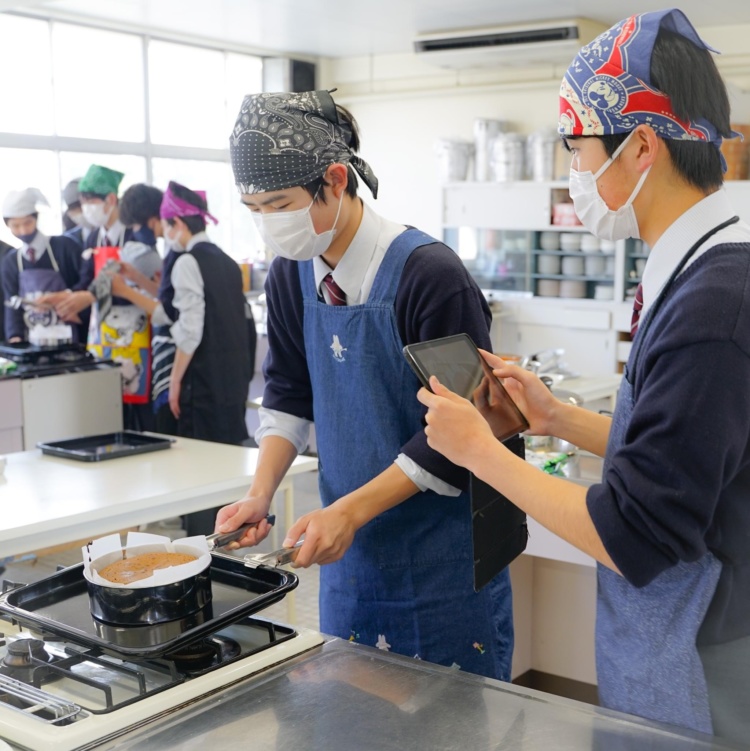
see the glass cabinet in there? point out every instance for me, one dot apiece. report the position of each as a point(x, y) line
point(504, 234)
point(497, 259)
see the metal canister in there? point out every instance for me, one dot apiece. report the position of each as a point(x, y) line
point(507, 157)
point(540, 154)
point(485, 132)
point(453, 158)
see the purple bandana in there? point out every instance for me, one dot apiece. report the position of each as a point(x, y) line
point(607, 88)
point(172, 206)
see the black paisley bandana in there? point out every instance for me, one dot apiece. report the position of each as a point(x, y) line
point(288, 140)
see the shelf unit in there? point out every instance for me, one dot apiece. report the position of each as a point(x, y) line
point(496, 229)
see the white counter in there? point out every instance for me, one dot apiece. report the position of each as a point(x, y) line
point(593, 388)
point(46, 501)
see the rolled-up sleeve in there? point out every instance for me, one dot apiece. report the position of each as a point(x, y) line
point(295, 429)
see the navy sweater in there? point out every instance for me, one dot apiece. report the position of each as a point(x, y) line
point(436, 297)
point(67, 254)
point(680, 486)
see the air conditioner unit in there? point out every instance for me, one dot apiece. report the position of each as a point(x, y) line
point(520, 45)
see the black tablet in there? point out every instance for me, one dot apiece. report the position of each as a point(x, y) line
point(459, 366)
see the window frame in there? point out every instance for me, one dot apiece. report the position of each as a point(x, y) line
point(145, 148)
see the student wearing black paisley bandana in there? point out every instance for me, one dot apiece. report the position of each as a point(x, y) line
point(347, 291)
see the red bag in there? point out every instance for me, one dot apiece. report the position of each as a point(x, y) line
point(104, 254)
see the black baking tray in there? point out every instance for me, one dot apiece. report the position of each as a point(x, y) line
point(59, 605)
point(24, 352)
point(98, 448)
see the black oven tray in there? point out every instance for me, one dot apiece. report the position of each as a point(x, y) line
point(59, 605)
point(98, 448)
point(23, 352)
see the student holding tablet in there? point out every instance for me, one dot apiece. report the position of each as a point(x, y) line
point(643, 111)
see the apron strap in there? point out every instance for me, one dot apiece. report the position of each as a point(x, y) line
point(307, 280)
point(385, 284)
point(653, 310)
point(48, 249)
point(387, 278)
point(52, 257)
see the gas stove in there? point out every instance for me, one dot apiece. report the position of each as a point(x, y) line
point(62, 695)
point(71, 682)
point(32, 361)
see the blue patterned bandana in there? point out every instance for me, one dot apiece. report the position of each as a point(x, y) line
point(607, 88)
point(290, 139)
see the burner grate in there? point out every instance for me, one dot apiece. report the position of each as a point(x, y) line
point(36, 703)
point(93, 681)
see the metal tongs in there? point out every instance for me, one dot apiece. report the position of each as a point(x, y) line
point(219, 540)
point(277, 558)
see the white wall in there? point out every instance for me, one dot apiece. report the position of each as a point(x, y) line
point(403, 105)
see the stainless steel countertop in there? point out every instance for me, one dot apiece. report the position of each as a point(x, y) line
point(345, 696)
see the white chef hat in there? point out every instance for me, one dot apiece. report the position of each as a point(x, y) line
point(20, 203)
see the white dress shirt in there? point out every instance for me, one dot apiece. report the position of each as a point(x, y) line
point(355, 274)
point(683, 234)
point(189, 298)
point(115, 235)
point(39, 244)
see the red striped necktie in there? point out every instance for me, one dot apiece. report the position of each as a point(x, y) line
point(637, 307)
point(336, 294)
point(31, 254)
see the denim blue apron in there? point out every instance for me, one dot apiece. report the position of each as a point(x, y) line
point(33, 283)
point(647, 662)
point(406, 583)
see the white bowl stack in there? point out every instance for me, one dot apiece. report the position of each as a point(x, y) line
point(604, 292)
point(572, 265)
point(548, 287)
point(548, 264)
point(570, 241)
point(572, 288)
point(609, 266)
point(590, 244)
point(549, 241)
point(594, 264)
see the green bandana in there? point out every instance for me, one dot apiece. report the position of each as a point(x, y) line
point(100, 180)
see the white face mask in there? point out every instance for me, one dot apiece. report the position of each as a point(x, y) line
point(77, 218)
point(593, 211)
point(96, 214)
point(291, 234)
point(172, 240)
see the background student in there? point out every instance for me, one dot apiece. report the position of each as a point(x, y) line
point(40, 265)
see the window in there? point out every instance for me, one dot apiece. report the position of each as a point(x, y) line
point(186, 96)
point(25, 76)
point(244, 76)
point(76, 95)
point(98, 82)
